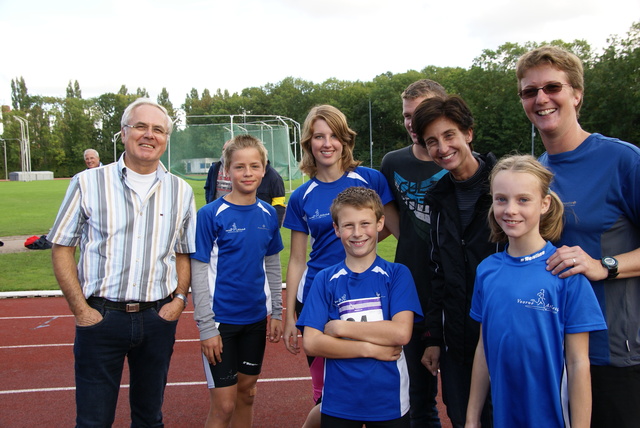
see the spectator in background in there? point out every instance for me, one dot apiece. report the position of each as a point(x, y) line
point(410, 172)
point(599, 179)
point(271, 189)
point(92, 158)
point(135, 225)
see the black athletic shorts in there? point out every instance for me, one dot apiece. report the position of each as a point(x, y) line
point(242, 351)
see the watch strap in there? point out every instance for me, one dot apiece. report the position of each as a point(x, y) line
point(182, 297)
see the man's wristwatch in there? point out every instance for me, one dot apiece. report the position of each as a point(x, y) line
point(182, 297)
point(612, 266)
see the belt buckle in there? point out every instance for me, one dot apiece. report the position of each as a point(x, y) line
point(133, 307)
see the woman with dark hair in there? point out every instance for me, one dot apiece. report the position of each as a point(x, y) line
point(459, 204)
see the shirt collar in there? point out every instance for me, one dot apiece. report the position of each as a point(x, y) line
point(161, 172)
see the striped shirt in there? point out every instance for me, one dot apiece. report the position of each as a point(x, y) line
point(127, 242)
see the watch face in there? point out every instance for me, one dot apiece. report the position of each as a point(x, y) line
point(609, 261)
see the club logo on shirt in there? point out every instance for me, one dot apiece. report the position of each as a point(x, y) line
point(318, 216)
point(539, 304)
point(263, 227)
point(235, 229)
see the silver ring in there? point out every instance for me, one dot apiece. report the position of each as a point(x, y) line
point(574, 262)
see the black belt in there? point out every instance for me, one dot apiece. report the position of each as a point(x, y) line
point(126, 306)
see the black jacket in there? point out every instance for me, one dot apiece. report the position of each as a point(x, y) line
point(454, 257)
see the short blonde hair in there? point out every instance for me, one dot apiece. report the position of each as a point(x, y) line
point(423, 88)
point(558, 58)
point(357, 197)
point(551, 222)
point(239, 142)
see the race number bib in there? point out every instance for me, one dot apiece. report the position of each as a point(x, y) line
point(361, 310)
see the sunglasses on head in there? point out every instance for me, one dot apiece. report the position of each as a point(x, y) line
point(549, 88)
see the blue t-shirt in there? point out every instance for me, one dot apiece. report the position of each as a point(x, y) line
point(599, 184)
point(234, 240)
point(525, 313)
point(362, 388)
point(308, 212)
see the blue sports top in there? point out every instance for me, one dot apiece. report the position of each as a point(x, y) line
point(526, 312)
point(599, 183)
point(362, 388)
point(234, 240)
point(308, 212)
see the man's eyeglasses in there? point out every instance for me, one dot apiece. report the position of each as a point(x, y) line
point(549, 88)
point(143, 127)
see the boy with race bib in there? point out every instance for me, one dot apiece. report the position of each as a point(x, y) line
point(358, 315)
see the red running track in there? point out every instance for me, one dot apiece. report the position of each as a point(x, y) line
point(37, 380)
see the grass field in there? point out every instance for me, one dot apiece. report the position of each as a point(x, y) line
point(29, 208)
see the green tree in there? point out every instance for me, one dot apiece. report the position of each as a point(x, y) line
point(142, 93)
point(107, 111)
point(164, 101)
point(73, 91)
point(76, 131)
point(612, 89)
point(20, 99)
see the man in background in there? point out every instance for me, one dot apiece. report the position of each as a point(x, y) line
point(92, 158)
point(410, 172)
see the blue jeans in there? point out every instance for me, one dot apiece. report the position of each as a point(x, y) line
point(456, 384)
point(423, 386)
point(146, 340)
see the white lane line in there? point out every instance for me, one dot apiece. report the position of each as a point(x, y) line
point(34, 317)
point(28, 317)
point(72, 388)
point(71, 344)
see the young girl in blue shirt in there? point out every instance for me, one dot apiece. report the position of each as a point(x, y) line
point(534, 340)
point(237, 284)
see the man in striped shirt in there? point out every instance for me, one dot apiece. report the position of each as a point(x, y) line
point(135, 225)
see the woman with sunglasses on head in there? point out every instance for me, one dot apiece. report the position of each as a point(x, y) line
point(599, 179)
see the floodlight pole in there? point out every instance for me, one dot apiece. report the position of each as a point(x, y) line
point(533, 136)
point(370, 138)
point(115, 140)
point(24, 143)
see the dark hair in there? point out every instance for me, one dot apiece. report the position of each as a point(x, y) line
point(451, 107)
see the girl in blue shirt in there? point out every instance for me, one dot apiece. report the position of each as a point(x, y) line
point(237, 246)
point(534, 339)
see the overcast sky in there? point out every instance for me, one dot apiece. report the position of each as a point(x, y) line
point(234, 44)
